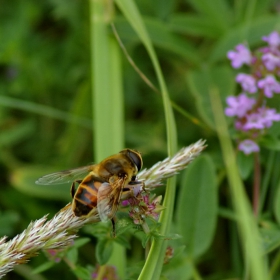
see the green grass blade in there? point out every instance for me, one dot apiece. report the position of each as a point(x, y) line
point(106, 85)
point(107, 98)
point(153, 265)
point(246, 222)
point(43, 110)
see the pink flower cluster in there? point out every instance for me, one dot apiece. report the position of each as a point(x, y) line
point(252, 116)
point(142, 207)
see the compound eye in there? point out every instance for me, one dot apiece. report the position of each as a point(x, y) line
point(136, 158)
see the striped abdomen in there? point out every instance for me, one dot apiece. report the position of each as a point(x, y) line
point(85, 198)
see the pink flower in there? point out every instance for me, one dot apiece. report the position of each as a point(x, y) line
point(239, 125)
point(271, 61)
point(269, 116)
point(252, 117)
point(254, 121)
point(239, 105)
point(273, 39)
point(54, 254)
point(125, 203)
point(248, 82)
point(263, 118)
point(248, 146)
point(144, 206)
point(240, 56)
point(269, 85)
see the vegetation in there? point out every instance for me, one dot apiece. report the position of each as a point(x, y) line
point(81, 80)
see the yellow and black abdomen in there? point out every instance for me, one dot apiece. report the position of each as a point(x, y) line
point(85, 198)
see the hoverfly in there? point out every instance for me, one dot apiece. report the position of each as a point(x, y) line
point(102, 184)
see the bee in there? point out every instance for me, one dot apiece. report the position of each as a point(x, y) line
point(102, 184)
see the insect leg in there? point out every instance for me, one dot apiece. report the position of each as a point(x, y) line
point(135, 187)
point(143, 187)
point(113, 220)
point(135, 182)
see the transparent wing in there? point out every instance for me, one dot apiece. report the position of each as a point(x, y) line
point(108, 198)
point(65, 176)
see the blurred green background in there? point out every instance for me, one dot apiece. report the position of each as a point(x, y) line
point(46, 102)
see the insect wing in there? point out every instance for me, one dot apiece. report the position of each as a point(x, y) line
point(108, 198)
point(65, 176)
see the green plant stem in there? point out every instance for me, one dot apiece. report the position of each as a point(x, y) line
point(257, 182)
point(70, 264)
point(153, 265)
point(107, 98)
point(196, 275)
point(101, 272)
point(190, 117)
point(266, 178)
point(246, 222)
point(275, 265)
point(146, 229)
point(179, 109)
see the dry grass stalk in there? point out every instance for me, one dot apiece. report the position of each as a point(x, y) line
point(60, 231)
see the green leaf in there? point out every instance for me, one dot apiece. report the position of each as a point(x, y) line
point(270, 239)
point(245, 164)
point(123, 224)
point(195, 25)
point(200, 83)
point(146, 239)
point(82, 273)
point(270, 142)
point(163, 8)
point(178, 265)
point(122, 240)
point(35, 108)
point(172, 236)
point(277, 204)
point(8, 219)
point(218, 11)
point(155, 234)
point(198, 206)
point(17, 133)
point(227, 213)
point(274, 130)
point(104, 249)
point(182, 269)
point(24, 178)
point(99, 230)
point(81, 242)
point(43, 267)
point(161, 36)
point(259, 27)
point(72, 255)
